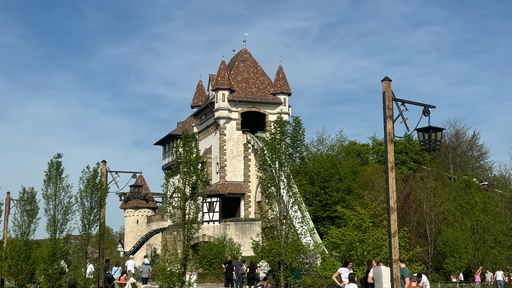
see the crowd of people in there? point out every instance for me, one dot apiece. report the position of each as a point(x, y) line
point(238, 274)
point(117, 277)
point(377, 275)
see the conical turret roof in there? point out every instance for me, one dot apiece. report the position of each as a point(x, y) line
point(281, 83)
point(139, 196)
point(249, 81)
point(222, 79)
point(200, 97)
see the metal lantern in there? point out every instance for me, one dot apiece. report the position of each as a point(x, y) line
point(430, 138)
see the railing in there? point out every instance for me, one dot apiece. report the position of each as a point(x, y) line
point(145, 238)
point(297, 211)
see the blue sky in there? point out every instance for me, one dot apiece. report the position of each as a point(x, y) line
point(106, 79)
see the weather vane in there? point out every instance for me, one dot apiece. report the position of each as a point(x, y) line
point(244, 40)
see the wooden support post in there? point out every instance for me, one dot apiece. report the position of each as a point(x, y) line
point(389, 130)
point(101, 228)
point(7, 212)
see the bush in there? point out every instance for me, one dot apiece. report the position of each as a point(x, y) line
point(212, 254)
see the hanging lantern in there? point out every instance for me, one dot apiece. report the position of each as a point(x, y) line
point(430, 138)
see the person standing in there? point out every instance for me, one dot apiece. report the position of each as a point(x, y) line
point(252, 274)
point(116, 271)
point(405, 281)
point(229, 273)
point(90, 270)
point(343, 272)
point(488, 278)
point(423, 281)
point(130, 267)
point(380, 275)
point(364, 280)
point(478, 278)
point(239, 272)
point(145, 270)
point(499, 277)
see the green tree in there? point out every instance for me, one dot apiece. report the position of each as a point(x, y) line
point(183, 189)
point(212, 254)
point(282, 149)
point(58, 209)
point(21, 264)
point(464, 152)
point(88, 205)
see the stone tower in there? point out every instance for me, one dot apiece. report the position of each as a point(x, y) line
point(239, 102)
point(139, 205)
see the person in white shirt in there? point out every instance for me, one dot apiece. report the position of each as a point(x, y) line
point(343, 272)
point(500, 279)
point(351, 281)
point(380, 275)
point(130, 267)
point(423, 280)
point(89, 270)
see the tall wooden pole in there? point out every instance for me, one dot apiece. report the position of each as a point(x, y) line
point(7, 212)
point(101, 228)
point(389, 137)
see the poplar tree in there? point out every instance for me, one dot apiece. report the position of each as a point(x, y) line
point(281, 151)
point(21, 264)
point(87, 199)
point(58, 209)
point(184, 186)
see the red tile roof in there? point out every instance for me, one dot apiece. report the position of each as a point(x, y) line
point(139, 196)
point(281, 83)
point(200, 97)
point(222, 80)
point(249, 81)
point(225, 188)
point(185, 125)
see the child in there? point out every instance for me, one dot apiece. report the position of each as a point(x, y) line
point(263, 283)
point(414, 281)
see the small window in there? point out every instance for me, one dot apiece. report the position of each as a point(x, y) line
point(223, 97)
point(210, 207)
point(284, 102)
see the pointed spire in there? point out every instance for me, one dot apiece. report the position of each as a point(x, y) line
point(200, 97)
point(222, 80)
point(281, 83)
point(139, 197)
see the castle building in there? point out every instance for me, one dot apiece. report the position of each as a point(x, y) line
point(238, 102)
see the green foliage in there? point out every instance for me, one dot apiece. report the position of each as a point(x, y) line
point(447, 222)
point(281, 152)
point(51, 271)
point(168, 269)
point(89, 199)
point(363, 237)
point(58, 200)
point(58, 209)
point(183, 188)
point(25, 220)
point(212, 254)
point(20, 262)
